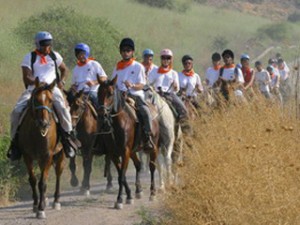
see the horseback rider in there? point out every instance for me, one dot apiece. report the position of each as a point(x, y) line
point(45, 67)
point(213, 72)
point(248, 74)
point(148, 61)
point(263, 79)
point(230, 74)
point(166, 82)
point(190, 82)
point(131, 78)
point(85, 73)
point(275, 83)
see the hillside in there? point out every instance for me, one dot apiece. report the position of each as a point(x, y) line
point(273, 9)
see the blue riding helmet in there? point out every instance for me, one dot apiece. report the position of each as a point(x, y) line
point(148, 51)
point(245, 56)
point(82, 47)
point(42, 38)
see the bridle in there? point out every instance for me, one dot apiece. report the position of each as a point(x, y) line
point(37, 106)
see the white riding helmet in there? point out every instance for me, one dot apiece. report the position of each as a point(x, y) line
point(42, 38)
point(166, 52)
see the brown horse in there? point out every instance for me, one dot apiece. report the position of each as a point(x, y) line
point(120, 136)
point(84, 121)
point(38, 141)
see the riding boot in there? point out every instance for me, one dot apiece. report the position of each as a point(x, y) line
point(148, 144)
point(13, 152)
point(70, 144)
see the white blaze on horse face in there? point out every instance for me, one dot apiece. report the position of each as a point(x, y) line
point(43, 97)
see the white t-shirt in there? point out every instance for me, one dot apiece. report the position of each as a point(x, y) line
point(212, 76)
point(164, 80)
point(85, 73)
point(45, 72)
point(152, 67)
point(135, 74)
point(228, 74)
point(263, 79)
point(284, 73)
point(189, 83)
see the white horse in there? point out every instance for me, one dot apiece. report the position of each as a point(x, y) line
point(170, 140)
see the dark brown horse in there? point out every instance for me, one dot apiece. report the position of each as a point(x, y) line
point(120, 136)
point(38, 141)
point(84, 121)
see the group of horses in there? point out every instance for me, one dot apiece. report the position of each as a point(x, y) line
point(113, 130)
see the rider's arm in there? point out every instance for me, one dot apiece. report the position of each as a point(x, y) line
point(28, 78)
point(63, 71)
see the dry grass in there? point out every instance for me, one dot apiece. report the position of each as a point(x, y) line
point(243, 169)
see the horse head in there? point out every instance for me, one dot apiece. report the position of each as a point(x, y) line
point(106, 95)
point(77, 107)
point(41, 105)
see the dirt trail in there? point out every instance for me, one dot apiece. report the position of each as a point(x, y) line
point(78, 209)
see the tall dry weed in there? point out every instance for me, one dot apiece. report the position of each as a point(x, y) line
point(242, 167)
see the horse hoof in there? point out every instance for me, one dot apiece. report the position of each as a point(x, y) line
point(56, 206)
point(118, 205)
point(109, 188)
point(35, 208)
point(87, 193)
point(139, 195)
point(152, 198)
point(162, 190)
point(41, 214)
point(129, 201)
point(74, 182)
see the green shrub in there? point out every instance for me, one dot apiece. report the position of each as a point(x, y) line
point(294, 17)
point(8, 180)
point(180, 6)
point(219, 43)
point(69, 28)
point(276, 32)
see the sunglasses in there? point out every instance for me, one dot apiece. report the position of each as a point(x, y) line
point(227, 57)
point(126, 50)
point(166, 58)
point(187, 63)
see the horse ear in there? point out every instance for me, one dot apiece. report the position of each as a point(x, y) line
point(52, 85)
point(114, 81)
point(80, 94)
point(37, 82)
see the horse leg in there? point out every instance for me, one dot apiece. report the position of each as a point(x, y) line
point(119, 202)
point(153, 156)
point(168, 162)
point(161, 171)
point(87, 159)
point(107, 173)
point(32, 180)
point(59, 167)
point(44, 167)
point(138, 186)
point(72, 165)
point(124, 166)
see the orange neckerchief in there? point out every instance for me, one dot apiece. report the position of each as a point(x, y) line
point(124, 64)
point(163, 70)
point(188, 73)
point(85, 62)
point(43, 57)
point(147, 67)
point(217, 67)
point(229, 67)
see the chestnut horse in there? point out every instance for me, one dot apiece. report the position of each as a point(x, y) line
point(121, 136)
point(38, 141)
point(84, 121)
